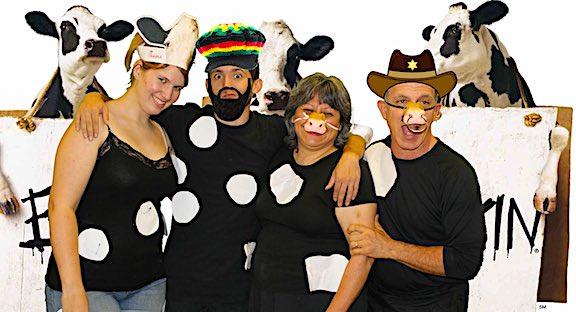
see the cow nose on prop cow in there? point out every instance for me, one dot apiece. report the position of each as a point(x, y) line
point(96, 48)
point(414, 117)
point(277, 100)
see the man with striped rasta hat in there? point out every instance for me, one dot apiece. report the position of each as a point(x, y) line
point(232, 52)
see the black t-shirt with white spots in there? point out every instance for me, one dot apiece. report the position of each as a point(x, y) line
point(119, 221)
point(218, 170)
point(299, 223)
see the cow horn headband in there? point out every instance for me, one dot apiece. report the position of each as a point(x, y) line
point(175, 46)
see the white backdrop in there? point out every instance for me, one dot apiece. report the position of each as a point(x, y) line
point(536, 33)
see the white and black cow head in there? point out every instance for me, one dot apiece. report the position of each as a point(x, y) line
point(462, 43)
point(279, 60)
point(82, 48)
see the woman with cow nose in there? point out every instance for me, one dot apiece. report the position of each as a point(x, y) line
point(105, 224)
point(302, 261)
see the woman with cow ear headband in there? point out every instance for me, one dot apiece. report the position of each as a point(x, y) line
point(106, 228)
point(302, 260)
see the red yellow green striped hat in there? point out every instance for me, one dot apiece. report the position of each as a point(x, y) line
point(231, 44)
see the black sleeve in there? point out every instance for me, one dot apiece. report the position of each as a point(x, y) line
point(464, 224)
point(175, 115)
point(366, 192)
point(276, 130)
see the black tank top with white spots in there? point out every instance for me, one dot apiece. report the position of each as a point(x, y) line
point(119, 221)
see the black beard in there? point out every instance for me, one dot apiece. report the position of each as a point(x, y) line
point(229, 109)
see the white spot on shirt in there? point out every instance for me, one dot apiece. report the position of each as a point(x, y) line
point(203, 132)
point(93, 244)
point(249, 251)
point(285, 184)
point(180, 167)
point(242, 188)
point(147, 220)
point(325, 272)
point(185, 206)
point(382, 168)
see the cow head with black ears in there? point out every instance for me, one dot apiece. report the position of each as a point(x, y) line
point(82, 49)
point(486, 73)
point(487, 76)
point(279, 60)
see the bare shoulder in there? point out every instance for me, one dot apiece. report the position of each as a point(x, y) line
point(74, 139)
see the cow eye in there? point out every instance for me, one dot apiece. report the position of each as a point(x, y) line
point(65, 26)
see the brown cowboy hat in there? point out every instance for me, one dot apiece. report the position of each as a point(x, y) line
point(407, 68)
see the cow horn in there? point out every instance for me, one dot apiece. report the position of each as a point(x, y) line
point(136, 41)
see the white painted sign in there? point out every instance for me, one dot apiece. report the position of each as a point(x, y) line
point(507, 156)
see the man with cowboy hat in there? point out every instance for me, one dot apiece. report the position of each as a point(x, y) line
point(429, 236)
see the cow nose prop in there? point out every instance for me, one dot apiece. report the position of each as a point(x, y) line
point(414, 117)
point(315, 122)
point(96, 48)
point(278, 100)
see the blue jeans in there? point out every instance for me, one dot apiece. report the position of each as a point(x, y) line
point(149, 298)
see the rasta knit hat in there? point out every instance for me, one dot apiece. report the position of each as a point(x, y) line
point(231, 44)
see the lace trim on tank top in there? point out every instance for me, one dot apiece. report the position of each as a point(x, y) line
point(162, 163)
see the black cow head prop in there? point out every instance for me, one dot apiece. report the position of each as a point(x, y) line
point(279, 60)
point(487, 75)
point(82, 48)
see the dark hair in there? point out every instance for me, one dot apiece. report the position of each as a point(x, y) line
point(255, 73)
point(330, 90)
point(437, 97)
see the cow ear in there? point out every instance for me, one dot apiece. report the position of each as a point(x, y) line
point(116, 32)
point(488, 13)
point(426, 32)
point(316, 48)
point(292, 63)
point(41, 23)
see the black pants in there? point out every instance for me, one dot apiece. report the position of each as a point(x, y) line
point(455, 300)
point(263, 300)
point(207, 307)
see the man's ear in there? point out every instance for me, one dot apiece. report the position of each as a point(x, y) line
point(207, 86)
point(437, 112)
point(257, 86)
point(383, 108)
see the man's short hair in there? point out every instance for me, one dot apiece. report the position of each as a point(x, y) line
point(437, 97)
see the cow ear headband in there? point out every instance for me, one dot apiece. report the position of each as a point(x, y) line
point(316, 122)
point(175, 46)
